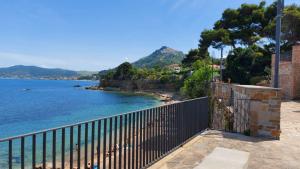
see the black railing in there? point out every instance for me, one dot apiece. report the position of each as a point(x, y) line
point(131, 140)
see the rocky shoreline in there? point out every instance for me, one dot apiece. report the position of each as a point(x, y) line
point(164, 96)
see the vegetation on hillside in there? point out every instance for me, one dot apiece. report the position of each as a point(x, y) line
point(249, 33)
point(160, 58)
point(127, 71)
point(34, 72)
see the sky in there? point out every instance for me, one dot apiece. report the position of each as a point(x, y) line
point(100, 34)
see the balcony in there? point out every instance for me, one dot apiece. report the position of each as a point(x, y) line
point(132, 140)
point(167, 137)
point(263, 153)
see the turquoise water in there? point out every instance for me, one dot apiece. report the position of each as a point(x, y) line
point(31, 105)
point(50, 103)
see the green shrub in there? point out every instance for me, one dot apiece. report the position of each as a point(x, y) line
point(197, 84)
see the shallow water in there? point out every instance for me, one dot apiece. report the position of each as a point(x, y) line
point(31, 105)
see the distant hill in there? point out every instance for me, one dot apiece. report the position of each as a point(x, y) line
point(86, 73)
point(162, 57)
point(20, 71)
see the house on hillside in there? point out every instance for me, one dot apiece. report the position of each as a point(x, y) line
point(175, 67)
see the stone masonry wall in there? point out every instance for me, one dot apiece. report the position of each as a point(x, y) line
point(264, 109)
point(286, 79)
point(296, 72)
point(289, 75)
point(222, 90)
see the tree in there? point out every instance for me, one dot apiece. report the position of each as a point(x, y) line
point(244, 63)
point(197, 84)
point(245, 25)
point(290, 27)
point(124, 71)
point(216, 38)
point(291, 24)
point(250, 31)
point(191, 57)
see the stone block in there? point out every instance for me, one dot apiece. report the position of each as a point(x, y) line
point(263, 111)
point(275, 133)
point(296, 54)
point(259, 96)
point(274, 110)
point(264, 133)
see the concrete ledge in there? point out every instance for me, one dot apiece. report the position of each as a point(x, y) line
point(226, 159)
point(257, 87)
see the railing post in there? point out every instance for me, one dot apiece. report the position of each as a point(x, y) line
point(115, 142)
point(63, 148)
point(71, 147)
point(78, 146)
point(137, 139)
point(10, 154)
point(92, 144)
point(86, 133)
point(110, 143)
point(104, 143)
point(54, 149)
point(33, 151)
point(120, 142)
point(44, 149)
point(98, 143)
point(22, 152)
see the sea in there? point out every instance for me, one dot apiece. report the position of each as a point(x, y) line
point(32, 105)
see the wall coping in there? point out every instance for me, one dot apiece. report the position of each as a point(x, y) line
point(257, 87)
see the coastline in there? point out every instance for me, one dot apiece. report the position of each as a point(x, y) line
point(166, 97)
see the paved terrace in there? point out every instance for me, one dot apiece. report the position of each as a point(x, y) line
point(264, 154)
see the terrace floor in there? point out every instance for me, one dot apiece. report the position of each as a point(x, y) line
point(264, 154)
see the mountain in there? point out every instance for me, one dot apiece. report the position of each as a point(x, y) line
point(162, 57)
point(34, 72)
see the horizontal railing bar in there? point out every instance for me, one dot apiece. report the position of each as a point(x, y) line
point(90, 121)
point(228, 98)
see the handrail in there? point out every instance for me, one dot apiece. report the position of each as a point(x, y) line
point(152, 133)
point(89, 121)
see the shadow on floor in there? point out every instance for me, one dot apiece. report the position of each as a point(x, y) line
point(235, 136)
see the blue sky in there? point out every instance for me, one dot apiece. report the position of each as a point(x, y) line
point(98, 34)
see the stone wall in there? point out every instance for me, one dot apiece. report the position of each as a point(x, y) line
point(289, 74)
point(296, 72)
point(286, 78)
point(261, 105)
point(222, 90)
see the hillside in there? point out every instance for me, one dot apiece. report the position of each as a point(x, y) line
point(20, 71)
point(162, 57)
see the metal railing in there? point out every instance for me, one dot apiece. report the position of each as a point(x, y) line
point(130, 140)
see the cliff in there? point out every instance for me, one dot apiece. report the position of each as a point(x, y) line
point(139, 85)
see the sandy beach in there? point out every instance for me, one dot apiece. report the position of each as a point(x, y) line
point(164, 96)
point(114, 155)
